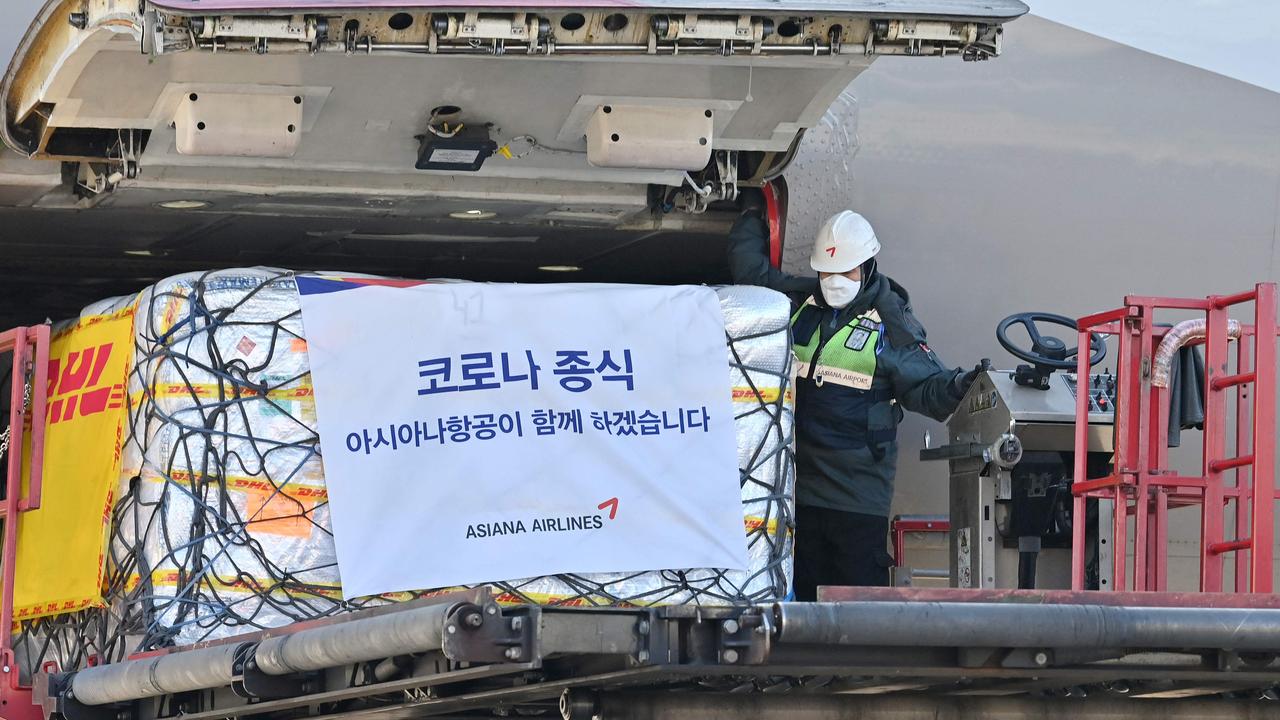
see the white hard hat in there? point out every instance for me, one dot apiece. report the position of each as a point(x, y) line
point(844, 242)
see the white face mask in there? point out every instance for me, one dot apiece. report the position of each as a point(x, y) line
point(839, 290)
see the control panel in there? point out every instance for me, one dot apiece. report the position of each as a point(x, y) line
point(1101, 388)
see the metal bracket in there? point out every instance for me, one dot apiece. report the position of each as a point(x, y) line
point(953, 451)
point(239, 124)
point(654, 646)
point(727, 172)
point(253, 683)
point(746, 640)
point(729, 636)
point(718, 183)
point(475, 633)
point(491, 26)
point(579, 705)
point(1028, 658)
point(977, 657)
point(186, 703)
point(1231, 660)
point(70, 709)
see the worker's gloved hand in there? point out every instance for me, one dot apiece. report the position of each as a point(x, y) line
point(752, 202)
point(963, 381)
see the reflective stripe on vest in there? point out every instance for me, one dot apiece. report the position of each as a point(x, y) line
point(849, 356)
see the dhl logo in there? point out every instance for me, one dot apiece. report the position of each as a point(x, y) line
point(169, 317)
point(755, 524)
point(765, 395)
point(247, 584)
point(55, 608)
point(247, 484)
point(400, 597)
point(270, 510)
point(74, 389)
point(509, 598)
point(299, 493)
point(208, 390)
point(107, 507)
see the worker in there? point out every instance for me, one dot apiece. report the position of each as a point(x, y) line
point(862, 359)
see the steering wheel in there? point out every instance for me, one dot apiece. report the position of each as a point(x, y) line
point(1046, 350)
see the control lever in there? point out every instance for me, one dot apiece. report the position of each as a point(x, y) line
point(1006, 451)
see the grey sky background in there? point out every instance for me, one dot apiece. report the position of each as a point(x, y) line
point(1235, 38)
point(17, 20)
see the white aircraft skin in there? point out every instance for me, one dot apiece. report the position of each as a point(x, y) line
point(1060, 177)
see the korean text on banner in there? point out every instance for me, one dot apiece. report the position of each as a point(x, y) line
point(62, 545)
point(475, 432)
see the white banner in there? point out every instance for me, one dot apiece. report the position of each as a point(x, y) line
point(475, 433)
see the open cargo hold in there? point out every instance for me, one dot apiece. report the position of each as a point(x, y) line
point(222, 526)
point(326, 107)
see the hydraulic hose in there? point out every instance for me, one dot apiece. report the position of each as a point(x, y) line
point(1181, 334)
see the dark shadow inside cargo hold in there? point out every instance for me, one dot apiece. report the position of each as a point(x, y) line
point(57, 261)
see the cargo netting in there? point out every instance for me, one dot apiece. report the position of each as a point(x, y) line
point(221, 525)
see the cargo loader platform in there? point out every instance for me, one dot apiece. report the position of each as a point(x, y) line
point(862, 652)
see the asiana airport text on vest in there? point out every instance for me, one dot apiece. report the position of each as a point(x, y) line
point(848, 358)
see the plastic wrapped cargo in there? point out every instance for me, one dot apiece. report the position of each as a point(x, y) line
point(222, 526)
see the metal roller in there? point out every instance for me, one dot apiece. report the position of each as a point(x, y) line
point(162, 675)
point(1009, 625)
point(397, 633)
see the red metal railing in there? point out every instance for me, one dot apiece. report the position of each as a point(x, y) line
point(904, 524)
point(30, 348)
point(1143, 487)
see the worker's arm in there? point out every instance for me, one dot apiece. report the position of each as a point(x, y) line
point(749, 259)
point(921, 383)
